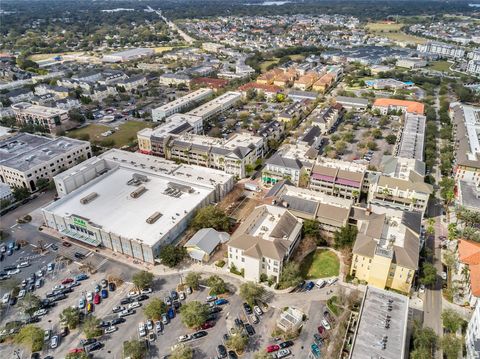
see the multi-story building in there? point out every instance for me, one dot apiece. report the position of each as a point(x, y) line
point(216, 106)
point(50, 118)
point(354, 103)
point(264, 242)
point(128, 55)
point(466, 120)
point(338, 179)
point(469, 268)
point(412, 138)
point(327, 118)
point(233, 155)
point(171, 79)
point(441, 50)
point(180, 104)
point(132, 83)
point(26, 158)
point(130, 203)
point(473, 67)
point(384, 105)
point(472, 337)
point(411, 63)
point(386, 250)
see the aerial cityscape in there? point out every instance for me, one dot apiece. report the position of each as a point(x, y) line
point(254, 179)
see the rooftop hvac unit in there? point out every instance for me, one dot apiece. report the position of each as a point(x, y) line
point(154, 217)
point(89, 198)
point(138, 192)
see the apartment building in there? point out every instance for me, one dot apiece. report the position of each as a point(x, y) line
point(270, 91)
point(411, 63)
point(327, 118)
point(181, 104)
point(472, 337)
point(469, 267)
point(128, 55)
point(473, 67)
point(441, 50)
point(263, 243)
point(171, 79)
point(50, 118)
point(216, 106)
point(384, 105)
point(292, 162)
point(466, 120)
point(337, 180)
point(233, 155)
point(332, 213)
point(26, 158)
point(412, 137)
point(352, 103)
point(386, 250)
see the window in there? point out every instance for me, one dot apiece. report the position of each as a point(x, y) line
point(243, 259)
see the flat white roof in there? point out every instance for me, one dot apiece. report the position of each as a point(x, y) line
point(237, 140)
point(37, 110)
point(184, 100)
point(216, 103)
point(472, 125)
point(116, 211)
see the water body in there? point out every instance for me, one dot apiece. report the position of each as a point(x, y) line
point(474, 5)
point(270, 3)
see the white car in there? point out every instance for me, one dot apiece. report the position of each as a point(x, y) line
point(40, 312)
point(23, 265)
point(59, 286)
point(167, 300)
point(158, 326)
point(421, 289)
point(22, 293)
point(89, 296)
point(184, 338)
point(118, 309)
point(211, 298)
point(257, 310)
point(6, 298)
point(125, 313)
point(146, 291)
point(13, 271)
point(54, 342)
point(39, 273)
point(283, 353)
point(134, 305)
point(182, 295)
point(326, 324)
point(149, 325)
point(50, 267)
point(444, 275)
point(332, 281)
point(46, 335)
point(133, 293)
point(110, 329)
point(141, 329)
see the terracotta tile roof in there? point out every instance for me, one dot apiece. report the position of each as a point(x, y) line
point(469, 252)
point(475, 279)
point(411, 106)
point(263, 87)
point(211, 82)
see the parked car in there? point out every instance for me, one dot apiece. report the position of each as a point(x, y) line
point(254, 318)
point(250, 330)
point(146, 291)
point(184, 338)
point(89, 296)
point(257, 310)
point(80, 277)
point(283, 353)
point(125, 313)
point(111, 286)
point(104, 283)
point(67, 281)
point(118, 309)
point(151, 337)
point(286, 344)
point(94, 346)
point(165, 319)
point(81, 303)
point(66, 244)
point(110, 329)
point(174, 295)
point(158, 326)
point(54, 342)
point(50, 267)
point(171, 313)
point(199, 334)
point(232, 355)
point(89, 307)
point(309, 286)
point(247, 308)
point(64, 331)
point(221, 301)
point(149, 325)
point(167, 300)
point(211, 298)
point(104, 293)
point(125, 301)
point(96, 299)
point(221, 351)
point(326, 324)
point(47, 335)
point(182, 295)
point(272, 348)
point(134, 305)
point(207, 325)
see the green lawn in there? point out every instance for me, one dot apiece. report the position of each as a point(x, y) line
point(384, 27)
point(126, 132)
point(265, 64)
point(320, 264)
point(443, 66)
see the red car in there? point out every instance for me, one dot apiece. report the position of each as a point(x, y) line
point(272, 348)
point(207, 325)
point(76, 350)
point(96, 299)
point(67, 281)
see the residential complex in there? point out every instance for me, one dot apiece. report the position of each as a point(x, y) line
point(441, 50)
point(386, 251)
point(354, 103)
point(412, 138)
point(181, 104)
point(263, 243)
point(384, 105)
point(156, 198)
point(128, 55)
point(216, 106)
point(26, 158)
point(50, 118)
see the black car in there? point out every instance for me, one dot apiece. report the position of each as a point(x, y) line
point(54, 247)
point(79, 255)
point(232, 355)
point(59, 296)
point(221, 351)
point(66, 290)
point(226, 337)
point(238, 322)
point(141, 297)
point(125, 301)
point(31, 288)
point(211, 316)
point(50, 294)
point(35, 356)
point(6, 269)
point(111, 286)
point(93, 346)
point(199, 334)
point(84, 342)
point(64, 331)
point(117, 321)
point(215, 309)
point(32, 320)
point(103, 324)
point(248, 309)
point(13, 300)
point(1, 257)
point(286, 344)
point(174, 295)
point(250, 329)
point(177, 304)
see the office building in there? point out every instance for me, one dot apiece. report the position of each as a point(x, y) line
point(411, 63)
point(48, 117)
point(131, 203)
point(26, 158)
point(180, 104)
point(264, 242)
point(216, 106)
point(382, 328)
point(386, 250)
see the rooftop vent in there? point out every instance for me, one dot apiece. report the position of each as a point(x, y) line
point(154, 217)
point(138, 192)
point(89, 198)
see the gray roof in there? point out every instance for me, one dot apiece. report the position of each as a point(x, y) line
point(469, 195)
point(352, 101)
point(278, 160)
point(311, 134)
point(300, 204)
point(207, 239)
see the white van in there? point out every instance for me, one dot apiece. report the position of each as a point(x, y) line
point(6, 298)
point(320, 283)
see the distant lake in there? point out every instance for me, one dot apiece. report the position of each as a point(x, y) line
point(270, 3)
point(474, 5)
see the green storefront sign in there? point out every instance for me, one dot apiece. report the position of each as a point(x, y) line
point(79, 222)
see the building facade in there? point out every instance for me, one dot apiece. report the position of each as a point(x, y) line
point(181, 104)
point(47, 117)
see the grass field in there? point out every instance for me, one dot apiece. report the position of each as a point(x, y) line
point(392, 31)
point(443, 66)
point(403, 37)
point(40, 57)
point(125, 133)
point(159, 50)
point(320, 264)
point(265, 64)
point(383, 27)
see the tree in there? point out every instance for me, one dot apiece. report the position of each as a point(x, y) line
point(31, 337)
point(424, 341)
point(134, 349)
point(71, 316)
point(182, 351)
point(291, 275)
point(251, 292)
point(449, 259)
point(340, 146)
point(345, 236)
point(193, 280)
point(217, 285)
point(20, 193)
point(429, 274)
point(80, 355)
point(451, 346)
point(142, 279)
point(194, 314)
point(237, 341)
point(447, 186)
point(90, 327)
point(311, 228)
point(391, 139)
point(30, 304)
point(154, 309)
point(452, 321)
point(172, 255)
point(42, 183)
point(211, 217)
